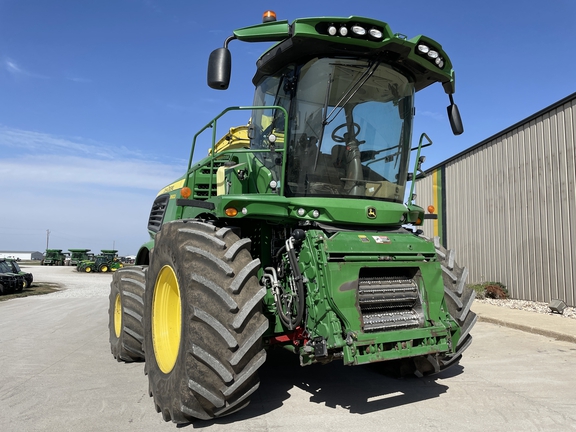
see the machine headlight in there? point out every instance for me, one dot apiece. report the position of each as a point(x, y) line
point(375, 33)
point(423, 49)
point(315, 214)
point(301, 212)
point(433, 54)
point(332, 30)
point(358, 30)
point(343, 31)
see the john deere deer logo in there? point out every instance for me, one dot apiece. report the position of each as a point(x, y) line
point(371, 213)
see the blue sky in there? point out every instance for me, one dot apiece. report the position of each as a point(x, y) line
point(100, 99)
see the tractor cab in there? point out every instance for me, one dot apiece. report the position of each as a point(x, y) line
point(334, 104)
point(349, 128)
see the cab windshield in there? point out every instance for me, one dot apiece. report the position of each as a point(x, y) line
point(350, 128)
point(5, 267)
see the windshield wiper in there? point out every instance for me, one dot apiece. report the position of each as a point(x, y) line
point(323, 124)
point(339, 105)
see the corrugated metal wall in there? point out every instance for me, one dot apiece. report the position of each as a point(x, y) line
point(510, 206)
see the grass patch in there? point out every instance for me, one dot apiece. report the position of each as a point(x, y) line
point(34, 289)
point(495, 290)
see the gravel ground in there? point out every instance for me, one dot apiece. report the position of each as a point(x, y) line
point(538, 307)
point(72, 283)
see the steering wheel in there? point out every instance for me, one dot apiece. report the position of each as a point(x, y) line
point(340, 139)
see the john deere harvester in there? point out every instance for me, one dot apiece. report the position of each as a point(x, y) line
point(290, 232)
point(106, 261)
point(54, 257)
point(79, 255)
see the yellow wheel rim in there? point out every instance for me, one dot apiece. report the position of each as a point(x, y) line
point(88, 269)
point(166, 319)
point(104, 269)
point(117, 315)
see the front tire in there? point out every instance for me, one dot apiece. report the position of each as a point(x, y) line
point(203, 322)
point(126, 312)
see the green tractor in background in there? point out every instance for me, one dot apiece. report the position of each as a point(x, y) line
point(291, 232)
point(54, 257)
point(79, 255)
point(106, 261)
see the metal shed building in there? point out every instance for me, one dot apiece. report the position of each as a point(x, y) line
point(23, 255)
point(507, 206)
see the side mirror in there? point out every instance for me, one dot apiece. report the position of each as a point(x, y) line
point(219, 69)
point(455, 119)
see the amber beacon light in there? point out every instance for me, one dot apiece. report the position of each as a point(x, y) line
point(269, 16)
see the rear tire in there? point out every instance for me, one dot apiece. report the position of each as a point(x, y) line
point(203, 322)
point(126, 312)
point(459, 299)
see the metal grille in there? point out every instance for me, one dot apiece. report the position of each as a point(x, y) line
point(157, 212)
point(389, 303)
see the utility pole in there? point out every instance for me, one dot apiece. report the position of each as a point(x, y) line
point(47, 238)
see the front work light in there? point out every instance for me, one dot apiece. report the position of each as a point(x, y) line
point(375, 33)
point(423, 49)
point(360, 31)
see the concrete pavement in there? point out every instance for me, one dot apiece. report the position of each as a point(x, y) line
point(554, 326)
point(57, 374)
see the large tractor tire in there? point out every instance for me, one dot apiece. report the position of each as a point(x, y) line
point(458, 298)
point(126, 313)
point(203, 322)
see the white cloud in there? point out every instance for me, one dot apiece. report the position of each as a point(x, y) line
point(22, 141)
point(62, 171)
point(79, 80)
point(35, 141)
point(433, 115)
point(87, 194)
point(14, 69)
